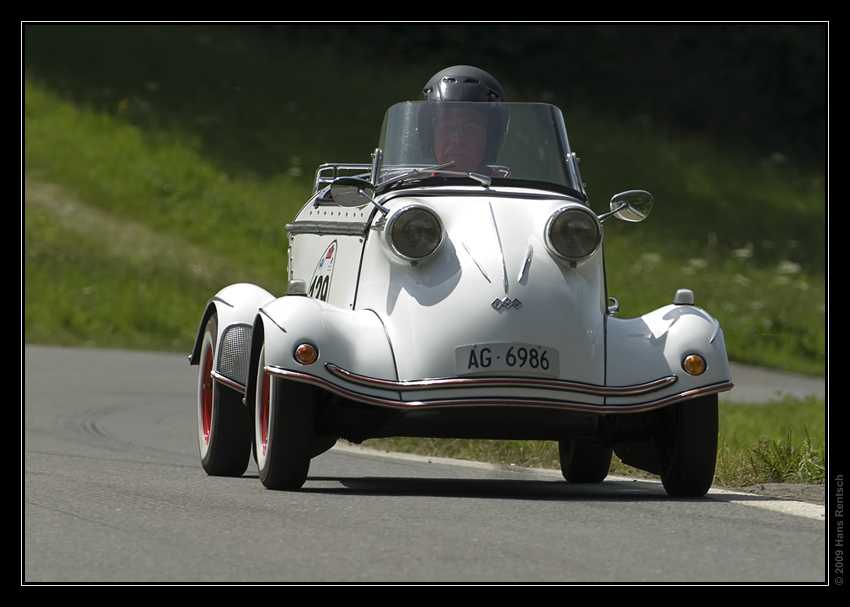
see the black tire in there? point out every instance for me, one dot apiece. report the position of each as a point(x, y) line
point(224, 427)
point(583, 462)
point(688, 447)
point(284, 432)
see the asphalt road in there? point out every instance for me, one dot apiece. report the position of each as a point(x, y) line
point(754, 385)
point(113, 493)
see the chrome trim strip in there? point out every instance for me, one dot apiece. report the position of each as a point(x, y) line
point(228, 382)
point(220, 300)
point(271, 318)
point(500, 382)
point(526, 264)
point(716, 331)
point(501, 250)
point(327, 228)
point(468, 250)
point(492, 401)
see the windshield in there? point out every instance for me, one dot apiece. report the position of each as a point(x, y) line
point(518, 141)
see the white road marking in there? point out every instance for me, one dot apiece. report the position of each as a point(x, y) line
point(783, 506)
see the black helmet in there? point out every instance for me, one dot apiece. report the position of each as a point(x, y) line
point(463, 83)
point(466, 83)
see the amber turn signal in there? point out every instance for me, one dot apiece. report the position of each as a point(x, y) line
point(694, 364)
point(306, 354)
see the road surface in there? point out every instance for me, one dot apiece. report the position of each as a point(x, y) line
point(114, 493)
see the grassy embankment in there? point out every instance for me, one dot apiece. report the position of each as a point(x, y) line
point(139, 207)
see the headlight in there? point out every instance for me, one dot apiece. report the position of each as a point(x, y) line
point(414, 233)
point(573, 233)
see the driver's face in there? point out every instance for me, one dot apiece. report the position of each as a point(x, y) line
point(460, 135)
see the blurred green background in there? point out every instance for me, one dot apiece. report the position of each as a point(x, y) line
point(162, 161)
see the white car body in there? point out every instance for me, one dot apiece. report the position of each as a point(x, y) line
point(494, 334)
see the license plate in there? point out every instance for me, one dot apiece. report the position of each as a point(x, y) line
point(506, 357)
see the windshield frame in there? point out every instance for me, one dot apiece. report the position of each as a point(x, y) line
point(530, 145)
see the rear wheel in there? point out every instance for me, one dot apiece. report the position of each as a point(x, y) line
point(688, 447)
point(284, 433)
point(583, 462)
point(224, 427)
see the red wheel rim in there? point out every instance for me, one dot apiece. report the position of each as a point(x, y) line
point(264, 411)
point(207, 395)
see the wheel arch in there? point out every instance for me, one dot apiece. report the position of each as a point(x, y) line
point(234, 304)
point(195, 354)
point(257, 339)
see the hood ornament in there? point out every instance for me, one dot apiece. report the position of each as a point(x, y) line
point(506, 303)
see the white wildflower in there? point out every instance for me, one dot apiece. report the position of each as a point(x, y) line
point(694, 265)
point(646, 262)
point(744, 252)
point(788, 268)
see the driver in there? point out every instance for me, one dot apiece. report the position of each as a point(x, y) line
point(469, 136)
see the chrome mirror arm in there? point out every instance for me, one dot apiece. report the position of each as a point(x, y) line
point(605, 216)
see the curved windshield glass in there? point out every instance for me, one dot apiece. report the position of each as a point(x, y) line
point(521, 141)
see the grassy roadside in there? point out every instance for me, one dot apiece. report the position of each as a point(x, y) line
point(779, 442)
point(135, 213)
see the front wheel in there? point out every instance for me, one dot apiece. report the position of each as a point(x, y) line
point(224, 427)
point(688, 447)
point(583, 462)
point(284, 432)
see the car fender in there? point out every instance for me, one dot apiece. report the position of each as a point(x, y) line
point(236, 307)
point(655, 345)
point(351, 339)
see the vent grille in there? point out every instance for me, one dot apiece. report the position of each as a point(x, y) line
point(235, 352)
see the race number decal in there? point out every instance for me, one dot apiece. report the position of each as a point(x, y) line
point(320, 284)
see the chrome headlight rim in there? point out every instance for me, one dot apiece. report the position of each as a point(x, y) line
point(585, 253)
point(404, 213)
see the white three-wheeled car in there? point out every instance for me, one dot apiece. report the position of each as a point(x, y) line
point(429, 301)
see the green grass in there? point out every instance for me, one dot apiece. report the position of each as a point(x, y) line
point(778, 442)
point(781, 442)
point(150, 182)
point(126, 251)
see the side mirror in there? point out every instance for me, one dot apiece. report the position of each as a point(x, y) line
point(631, 206)
point(352, 192)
